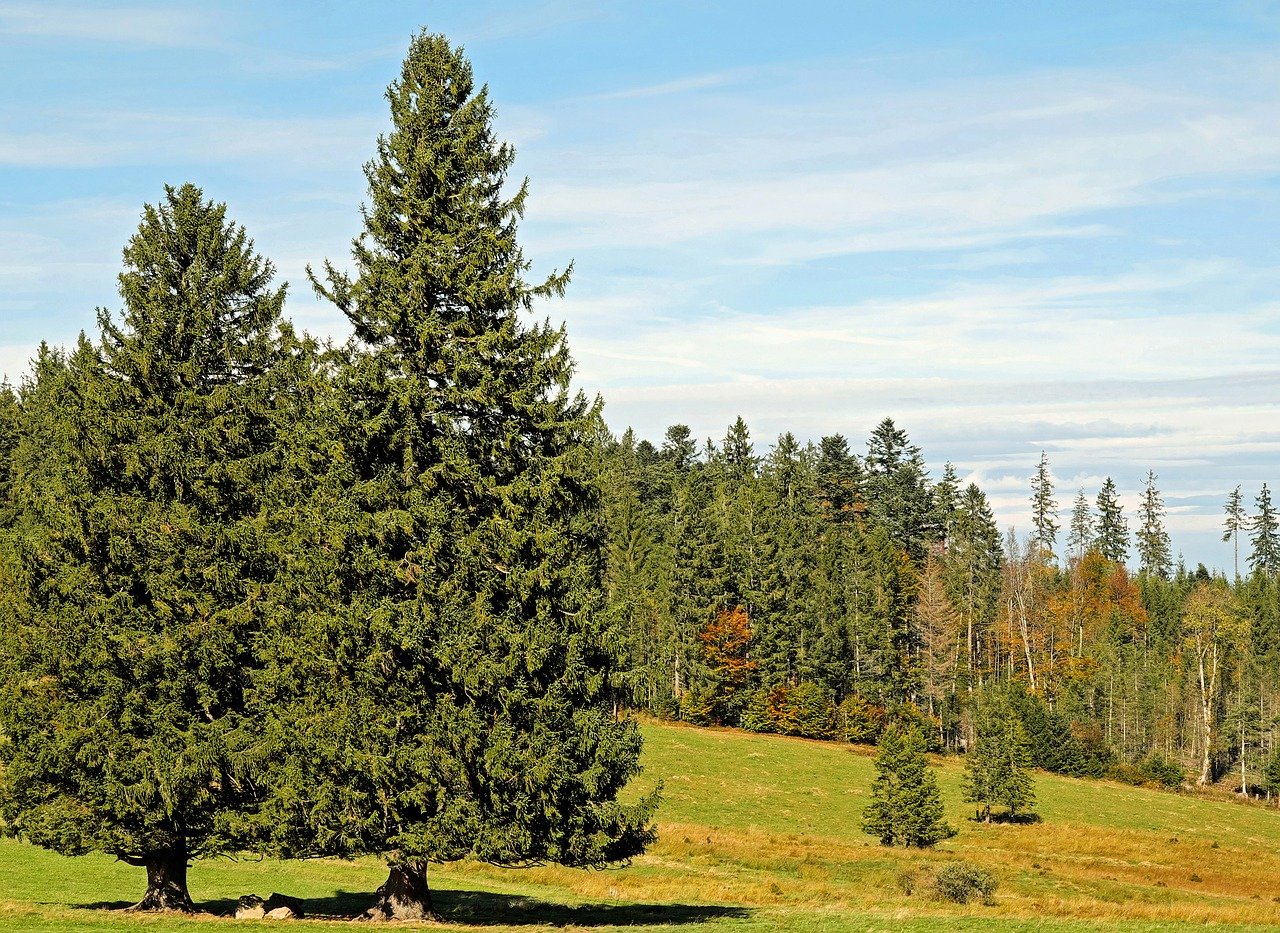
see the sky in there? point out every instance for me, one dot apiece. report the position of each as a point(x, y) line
point(1012, 228)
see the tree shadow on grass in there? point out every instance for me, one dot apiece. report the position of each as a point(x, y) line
point(1016, 819)
point(485, 908)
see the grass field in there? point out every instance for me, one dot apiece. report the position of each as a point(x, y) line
point(761, 833)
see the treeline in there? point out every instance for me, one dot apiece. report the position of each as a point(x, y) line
point(819, 590)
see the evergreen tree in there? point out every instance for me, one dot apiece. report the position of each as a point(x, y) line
point(1081, 535)
point(1112, 537)
point(906, 807)
point(1044, 508)
point(132, 605)
point(1265, 540)
point(738, 451)
point(1154, 549)
point(839, 481)
point(10, 413)
point(1237, 520)
point(899, 498)
point(461, 708)
point(997, 768)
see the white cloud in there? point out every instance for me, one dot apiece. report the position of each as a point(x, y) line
point(145, 26)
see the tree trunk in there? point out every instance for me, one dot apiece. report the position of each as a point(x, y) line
point(404, 895)
point(166, 881)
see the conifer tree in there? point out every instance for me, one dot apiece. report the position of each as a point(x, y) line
point(1081, 536)
point(1044, 508)
point(9, 415)
point(1112, 538)
point(1265, 538)
point(997, 769)
point(899, 497)
point(839, 481)
point(906, 807)
point(1154, 549)
point(459, 703)
point(1237, 520)
point(129, 631)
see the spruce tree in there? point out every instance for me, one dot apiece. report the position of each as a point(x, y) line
point(132, 603)
point(997, 769)
point(454, 702)
point(1112, 531)
point(1237, 520)
point(1044, 508)
point(1154, 548)
point(1264, 556)
point(899, 497)
point(906, 807)
point(9, 415)
point(1081, 535)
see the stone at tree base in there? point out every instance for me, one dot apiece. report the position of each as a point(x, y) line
point(278, 902)
point(250, 907)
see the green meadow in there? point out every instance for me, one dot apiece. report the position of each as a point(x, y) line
point(762, 833)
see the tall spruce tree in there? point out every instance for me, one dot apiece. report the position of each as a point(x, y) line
point(131, 606)
point(459, 703)
point(1112, 530)
point(1264, 540)
point(1154, 549)
point(1237, 520)
point(1080, 538)
point(997, 769)
point(10, 412)
point(899, 497)
point(1044, 508)
point(906, 807)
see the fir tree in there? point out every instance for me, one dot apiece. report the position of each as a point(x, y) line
point(1044, 508)
point(1081, 535)
point(463, 709)
point(1154, 549)
point(1112, 535)
point(140, 477)
point(1265, 538)
point(1237, 520)
point(997, 768)
point(906, 807)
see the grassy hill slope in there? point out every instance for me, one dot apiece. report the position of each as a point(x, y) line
point(761, 833)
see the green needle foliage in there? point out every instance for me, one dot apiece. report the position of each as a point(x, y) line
point(447, 695)
point(997, 770)
point(131, 575)
point(906, 807)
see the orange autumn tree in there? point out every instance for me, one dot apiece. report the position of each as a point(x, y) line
point(726, 645)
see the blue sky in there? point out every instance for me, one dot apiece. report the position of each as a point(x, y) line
point(1010, 227)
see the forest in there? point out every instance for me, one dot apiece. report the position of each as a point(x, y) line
point(811, 589)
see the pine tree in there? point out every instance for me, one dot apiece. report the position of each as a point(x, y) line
point(1044, 508)
point(906, 807)
point(464, 709)
point(1265, 539)
point(997, 769)
point(1081, 536)
point(1154, 549)
point(1237, 520)
point(1112, 538)
point(140, 479)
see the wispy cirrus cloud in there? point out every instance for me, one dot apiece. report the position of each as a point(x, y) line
point(158, 26)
